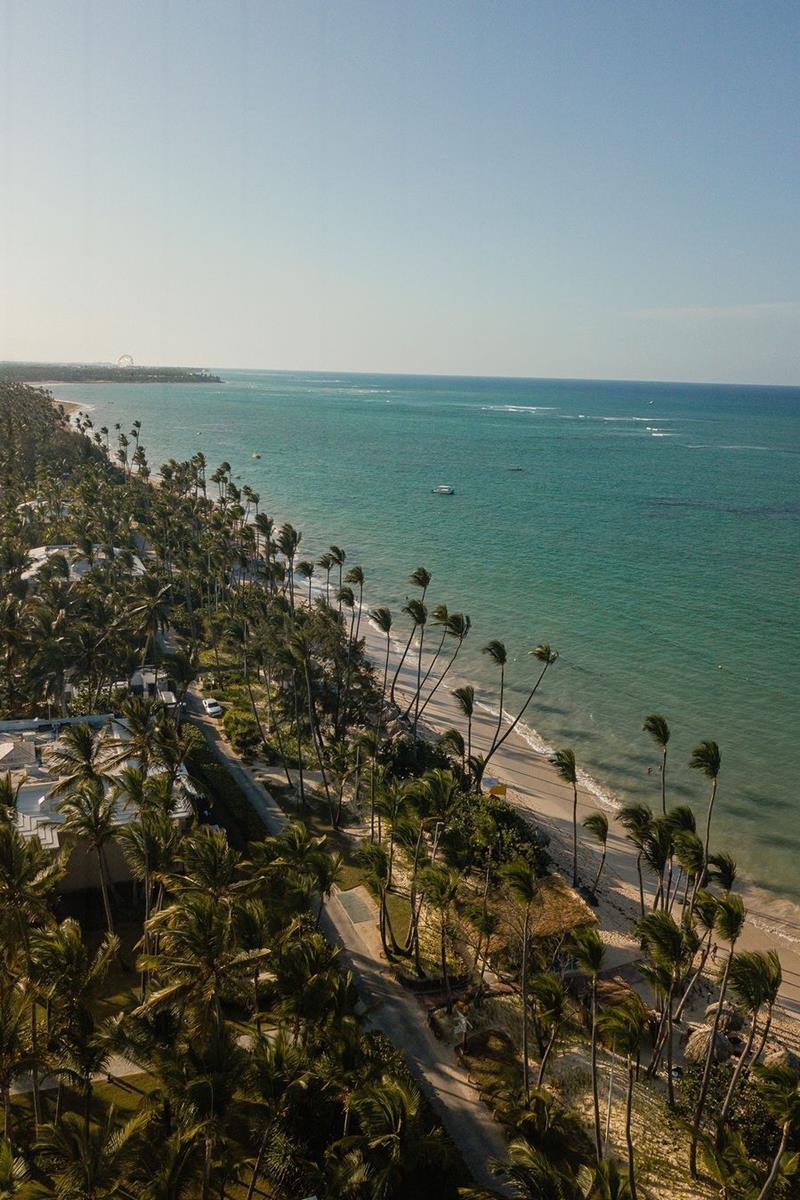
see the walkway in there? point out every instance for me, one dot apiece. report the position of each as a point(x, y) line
point(392, 1010)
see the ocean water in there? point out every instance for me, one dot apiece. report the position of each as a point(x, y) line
point(649, 532)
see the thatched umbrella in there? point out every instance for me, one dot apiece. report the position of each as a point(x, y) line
point(779, 1055)
point(730, 1019)
point(696, 1047)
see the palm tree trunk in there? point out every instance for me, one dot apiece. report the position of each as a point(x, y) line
point(496, 745)
point(769, 1182)
point(701, 1099)
point(764, 1035)
point(628, 1132)
point(400, 664)
point(104, 889)
point(737, 1070)
point(595, 1092)
point(664, 782)
point(699, 971)
point(551, 1041)
point(574, 835)
point(708, 818)
point(262, 1145)
point(524, 981)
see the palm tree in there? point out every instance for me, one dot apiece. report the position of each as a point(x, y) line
point(658, 729)
point(394, 1136)
point(596, 823)
point(89, 815)
point(497, 653)
point(15, 1058)
point(14, 1172)
point(588, 952)
point(416, 610)
point(28, 876)
point(523, 885)
point(454, 625)
point(546, 656)
point(707, 758)
point(553, 1008)
point(442, 885)
point(289, 540)
point(306, 568)
point(87, 1163)
point(728, 926)
point(779, 1088)
point(755, 979)
point(465, 699)
point(667, 949)
point(79, 756)
point(636, 820)
point(338, 556)
point(624, 1025)
point(564, 763)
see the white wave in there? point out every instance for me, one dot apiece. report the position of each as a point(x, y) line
point(520, 408)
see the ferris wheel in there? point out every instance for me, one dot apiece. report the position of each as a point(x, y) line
point(125, 360)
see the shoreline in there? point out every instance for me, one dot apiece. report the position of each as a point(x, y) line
point(538, 793)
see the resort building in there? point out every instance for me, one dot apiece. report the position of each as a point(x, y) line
point(25, 750)
point(78, 562)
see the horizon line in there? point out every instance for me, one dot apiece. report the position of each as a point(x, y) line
point(389, 374)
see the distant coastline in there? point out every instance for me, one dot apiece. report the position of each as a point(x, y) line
point(45, 373)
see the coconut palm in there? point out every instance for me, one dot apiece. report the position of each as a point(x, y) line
point(546, 656)
point(707, 758)
point(624, 1025)
point(552, 1005)
point(465, 699)
point(456, 626)
point(394, 1137)
point(14, 1173)
point(596, 823)
point(496, 651)
point(779, 1088)
point(667, 949)
point(564, 763)
point(588, 952)
point(442, 886)
point(636, 820)
point(79, 756)
point(728, 926)
point(289, 540)
point(28, 876)
point(89, 815)
point(755, 979)
point(658, 729)
point(523, 884)
point(416, 610)
point(15, 1056)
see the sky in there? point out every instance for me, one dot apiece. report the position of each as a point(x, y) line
point(583, 188)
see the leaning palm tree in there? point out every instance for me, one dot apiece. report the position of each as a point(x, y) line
point(707, 758)
point(667, 948)
point(499, 656)
point(658, 729)
point(596, 823)
point(523, 884)
point(546, 656)
point(728, 926)
point(755, 979)
point(564, 763)
point(79, 756)
point(416, 610)
point(636, 819)
point(465, 699)
point(89, 815)
point(779, 1088)
point(624, 1025)
point(588, 952)
point(552, 1005)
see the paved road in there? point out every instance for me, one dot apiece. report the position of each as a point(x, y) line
point(392, 1010)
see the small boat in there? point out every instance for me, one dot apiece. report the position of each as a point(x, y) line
point(255, 455)
point(443, 489)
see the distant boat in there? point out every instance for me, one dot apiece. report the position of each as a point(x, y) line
point(255, 455)
point(513, 468)
point(443, 489)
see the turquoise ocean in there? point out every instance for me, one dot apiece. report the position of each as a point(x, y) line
point(650, 532)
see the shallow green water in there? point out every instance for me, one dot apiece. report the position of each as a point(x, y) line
point(650, 532)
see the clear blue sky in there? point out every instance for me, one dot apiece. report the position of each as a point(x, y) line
point(603, 188)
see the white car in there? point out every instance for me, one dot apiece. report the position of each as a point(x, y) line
point(212, 707)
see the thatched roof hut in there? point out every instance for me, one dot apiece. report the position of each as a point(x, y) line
point(697, 1043)
point(730, 1020)
point(779, 1055)
point(558, 909)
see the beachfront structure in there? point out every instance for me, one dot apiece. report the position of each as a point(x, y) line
point(78, 562)
point(25, 749)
